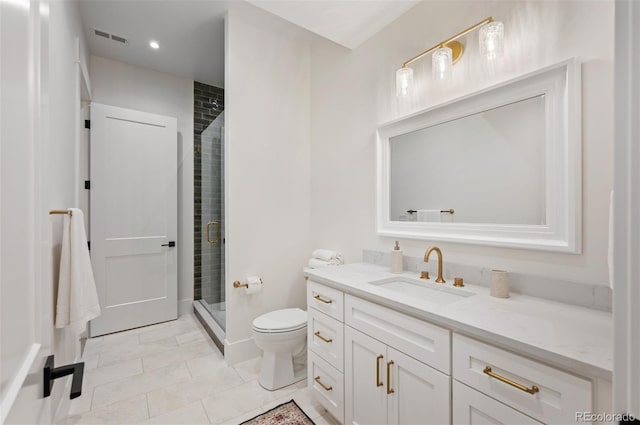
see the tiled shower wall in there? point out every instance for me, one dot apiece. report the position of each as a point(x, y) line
point(207, 258)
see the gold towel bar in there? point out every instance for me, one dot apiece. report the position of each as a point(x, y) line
point(59, 212)
point(449, 211)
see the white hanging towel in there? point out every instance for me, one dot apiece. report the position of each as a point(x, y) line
point(77, 296)
point(435, 216)
point(429, 215)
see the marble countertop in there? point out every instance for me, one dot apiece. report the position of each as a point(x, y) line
point(573, 338)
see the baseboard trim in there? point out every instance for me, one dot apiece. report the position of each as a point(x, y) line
point(239, 351)
point(185, 306)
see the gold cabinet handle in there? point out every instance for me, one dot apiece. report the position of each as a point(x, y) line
point(319, 298)
point(532, 390)
point(327, 340)
point(218, 231)
point(389, 389)
point(378, 381)
point(324, 387)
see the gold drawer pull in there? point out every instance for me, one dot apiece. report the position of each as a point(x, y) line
point(319, 298)
point(389, 389)
point(327, 340)
point(532, 390)
point(378, 381)
point(324, 387)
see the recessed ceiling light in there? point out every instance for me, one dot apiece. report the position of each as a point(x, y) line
point(154, 45)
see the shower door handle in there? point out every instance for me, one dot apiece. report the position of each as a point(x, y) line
point(218, 232)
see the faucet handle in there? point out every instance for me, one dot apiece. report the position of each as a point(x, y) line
point(424, 274)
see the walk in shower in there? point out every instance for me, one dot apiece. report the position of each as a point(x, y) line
point(212, 244)
point(209, 220)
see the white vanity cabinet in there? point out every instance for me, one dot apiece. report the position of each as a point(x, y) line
point(474, 408)
point(370, 364)
point(325, 341)
point(396, 367)
point(385, 386)
point(544, 393)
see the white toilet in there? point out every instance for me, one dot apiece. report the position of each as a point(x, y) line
point(282, 335)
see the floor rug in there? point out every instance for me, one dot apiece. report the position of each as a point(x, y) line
point(285, 414)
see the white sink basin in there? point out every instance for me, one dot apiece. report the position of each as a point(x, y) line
point(424, 291)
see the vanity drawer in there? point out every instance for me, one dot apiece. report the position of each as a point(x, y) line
point(471, 407)
point(559, 394)
point(325, 336)
point(327, 385)
point(421, 340)
point(327, 300)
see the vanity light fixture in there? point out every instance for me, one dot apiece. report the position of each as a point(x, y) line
point(448, 52)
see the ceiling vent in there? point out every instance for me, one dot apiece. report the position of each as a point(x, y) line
point(101, 33)
point(119, 39)
point(109, 36)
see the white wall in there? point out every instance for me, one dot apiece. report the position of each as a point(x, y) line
point(267, 94)
point(119, 84)
point(354, 91)
point(60, 182)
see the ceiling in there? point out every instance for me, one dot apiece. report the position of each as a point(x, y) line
point(346, 22)
point(191, 32)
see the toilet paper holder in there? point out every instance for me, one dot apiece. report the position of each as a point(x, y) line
point(238, 284)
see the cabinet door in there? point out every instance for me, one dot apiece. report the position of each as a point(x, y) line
point(365, 378)
point(421, 394)
point(471, 407)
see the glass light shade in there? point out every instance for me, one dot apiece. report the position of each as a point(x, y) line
point(492, 40)
point(404, 79)
point(442, 63)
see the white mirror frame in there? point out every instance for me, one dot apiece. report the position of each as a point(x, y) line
point(561, 86)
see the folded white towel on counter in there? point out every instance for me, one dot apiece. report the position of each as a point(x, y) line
point(316, 263)
point(77, 301)
point(327, 255)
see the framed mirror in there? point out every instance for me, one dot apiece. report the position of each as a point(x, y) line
point(499, 167)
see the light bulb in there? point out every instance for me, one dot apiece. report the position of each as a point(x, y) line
point(404, 79)
point(442, 63)
point(154, 45)
point(492, 40)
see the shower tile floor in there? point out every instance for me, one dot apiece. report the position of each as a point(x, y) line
point(172, 373)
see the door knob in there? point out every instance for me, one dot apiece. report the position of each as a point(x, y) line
point(171, 244)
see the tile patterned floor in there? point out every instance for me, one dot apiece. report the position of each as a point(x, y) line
point(172, 373)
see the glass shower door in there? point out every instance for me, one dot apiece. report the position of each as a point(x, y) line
point(212, 213)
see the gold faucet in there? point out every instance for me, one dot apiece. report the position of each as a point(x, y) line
point(439, 253)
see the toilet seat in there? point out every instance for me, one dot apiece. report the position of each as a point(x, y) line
point(285, 320)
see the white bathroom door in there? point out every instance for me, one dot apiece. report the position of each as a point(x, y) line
point(133, 217)
point(26, 284)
